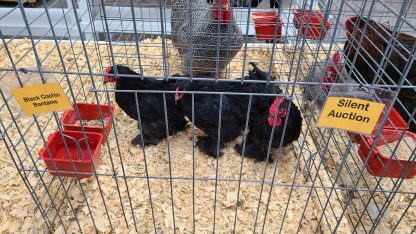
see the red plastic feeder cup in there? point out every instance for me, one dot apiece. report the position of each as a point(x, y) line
point(358, 138)
point(72, 154)
point(265, 23)
point(316, 27)
point(394, 121)
point(400, 166)
point(90, 116)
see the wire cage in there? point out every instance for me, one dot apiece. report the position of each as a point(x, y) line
point(326, 181)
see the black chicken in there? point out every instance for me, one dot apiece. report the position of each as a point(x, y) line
point(151, 105)
point(233, 108)
point(262, 119)
point(370, 55)
point(261, 125)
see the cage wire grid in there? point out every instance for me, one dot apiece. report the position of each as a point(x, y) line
point(316, 184)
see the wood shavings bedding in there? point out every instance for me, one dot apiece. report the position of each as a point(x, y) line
point(91, 123)
point(403, 151)
point(124, 172)
point(363, 202)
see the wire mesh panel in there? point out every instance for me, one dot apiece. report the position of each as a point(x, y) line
point(209, 121)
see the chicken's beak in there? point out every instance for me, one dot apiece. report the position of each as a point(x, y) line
point(105, 81)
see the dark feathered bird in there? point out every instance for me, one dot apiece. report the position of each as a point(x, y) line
point(262, 119)
point(370, 55)
point(207, 109)
point(266, 114)
point(151, 105)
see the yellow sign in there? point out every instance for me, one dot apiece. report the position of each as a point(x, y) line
point(41, 98)
point(351, 114)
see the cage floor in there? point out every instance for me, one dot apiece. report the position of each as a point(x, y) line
point(364, 206)
point(190, 201)
point(361, 207)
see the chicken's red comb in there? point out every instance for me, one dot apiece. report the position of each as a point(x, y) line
point(337, 57)
point(336, 60)
point(225, 15)
point(108, 69)
point(277, 102)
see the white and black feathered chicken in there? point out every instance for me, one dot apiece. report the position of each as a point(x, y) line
point(195, 34)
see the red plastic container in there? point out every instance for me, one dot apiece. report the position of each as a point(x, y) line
point(377, 161)
point(394, 120)
point(316, 24)
point(359, 138)
point(87, 112)
point(264, 24)
point(397, 122)
point(81, 159)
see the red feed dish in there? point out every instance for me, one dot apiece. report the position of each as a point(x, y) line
point(395, 121)
point(87, 112)
point(61, 158)
point(265, 23)
point(315, 25)
point(358, 138)
point(377, 161)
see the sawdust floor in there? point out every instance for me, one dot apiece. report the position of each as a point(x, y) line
point(161, 164)
point(368, 201)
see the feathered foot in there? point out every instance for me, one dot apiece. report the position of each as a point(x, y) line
point(146, 140)
point(253, 151)
point(209, 146)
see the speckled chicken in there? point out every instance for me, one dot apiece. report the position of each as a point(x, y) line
point(195, 33)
